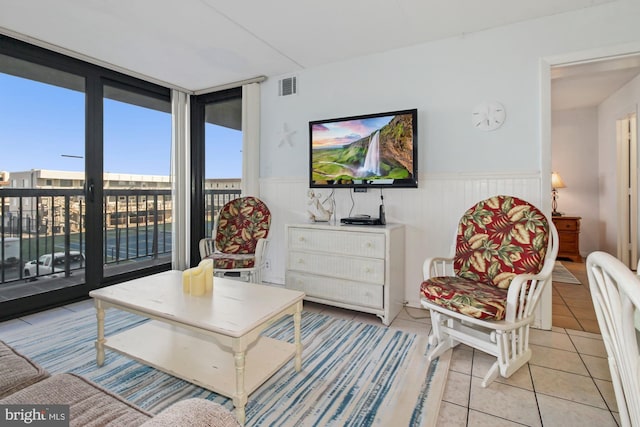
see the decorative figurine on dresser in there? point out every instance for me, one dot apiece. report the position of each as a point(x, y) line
point(317, 210)
point(569, 236)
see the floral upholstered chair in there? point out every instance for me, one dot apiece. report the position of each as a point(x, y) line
point(485, 294)
point(239, 239)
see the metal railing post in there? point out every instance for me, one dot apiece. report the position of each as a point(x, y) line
point(67, 240)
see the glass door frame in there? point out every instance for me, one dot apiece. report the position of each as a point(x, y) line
point(197, 109)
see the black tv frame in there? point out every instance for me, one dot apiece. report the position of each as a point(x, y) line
point(405, 183)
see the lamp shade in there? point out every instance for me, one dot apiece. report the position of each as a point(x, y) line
point(556, 181)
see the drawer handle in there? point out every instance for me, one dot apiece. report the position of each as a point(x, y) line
point(368, 245)
point(368, 270)
point(300, 261)
point(302, 239)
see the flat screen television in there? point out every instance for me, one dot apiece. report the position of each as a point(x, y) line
point(373, 150)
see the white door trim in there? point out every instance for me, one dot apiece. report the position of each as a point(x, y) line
point(543, 313)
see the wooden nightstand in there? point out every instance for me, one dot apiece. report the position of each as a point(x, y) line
point(569, 236)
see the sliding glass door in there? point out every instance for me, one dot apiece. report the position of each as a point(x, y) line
point(85, 188)
point(42, 138)
point(216, 158)
point(137, 205)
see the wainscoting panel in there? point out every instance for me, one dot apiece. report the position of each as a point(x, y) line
point(430, 213)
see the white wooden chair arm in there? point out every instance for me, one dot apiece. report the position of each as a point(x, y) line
point(261, 250)
point(437, 266)
point(522, 300)
point(206, 246)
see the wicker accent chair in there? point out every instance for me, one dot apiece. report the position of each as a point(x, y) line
point(615, 291)
point(239, 241)
point(485, 294)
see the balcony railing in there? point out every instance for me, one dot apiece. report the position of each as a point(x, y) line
point(137, 226)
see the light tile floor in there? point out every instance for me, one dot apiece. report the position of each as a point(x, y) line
point(566, 383)
point(572, 306)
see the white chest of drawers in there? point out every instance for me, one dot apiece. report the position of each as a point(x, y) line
point(354, 267)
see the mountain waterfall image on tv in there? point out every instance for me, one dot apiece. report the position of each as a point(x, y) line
point(376, 150)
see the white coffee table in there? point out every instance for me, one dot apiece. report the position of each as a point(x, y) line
point(213, 341)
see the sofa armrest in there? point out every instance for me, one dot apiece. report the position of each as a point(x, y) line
point(17, 371)
point(194, 413)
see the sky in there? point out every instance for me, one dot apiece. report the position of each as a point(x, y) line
point(42, 127)
point(337, 134)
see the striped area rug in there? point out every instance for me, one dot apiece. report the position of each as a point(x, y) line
point(562, 274)
point(353, 374)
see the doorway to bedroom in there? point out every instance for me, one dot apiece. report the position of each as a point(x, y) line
point(588, 99)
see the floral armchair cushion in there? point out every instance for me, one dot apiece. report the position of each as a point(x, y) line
point(232, 261)
point(497, 239)
point(465, 296)
point(241, 222)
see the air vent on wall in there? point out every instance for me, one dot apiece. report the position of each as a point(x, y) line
point(288, 86)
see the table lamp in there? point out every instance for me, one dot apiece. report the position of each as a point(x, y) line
point(556, 182)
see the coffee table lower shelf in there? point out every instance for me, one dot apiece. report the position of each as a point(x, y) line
point(198, 358)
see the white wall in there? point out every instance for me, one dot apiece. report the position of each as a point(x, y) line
point(616, 107)
point(444, 80)
point(574, 155)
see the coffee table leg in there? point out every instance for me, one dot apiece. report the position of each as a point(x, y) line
point(297, 316)
point(100, 341)
point(240, 397)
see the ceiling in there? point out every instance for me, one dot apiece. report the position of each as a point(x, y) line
point(200, 44)
point(588, 84)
